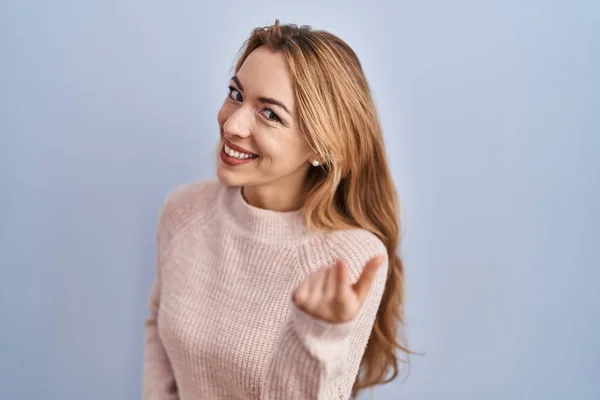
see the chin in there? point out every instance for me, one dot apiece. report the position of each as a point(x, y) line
point(226, 178)
point(230, 178)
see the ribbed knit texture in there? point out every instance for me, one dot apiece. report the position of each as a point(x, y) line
point(223, 324)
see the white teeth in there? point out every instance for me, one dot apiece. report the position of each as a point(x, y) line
point(236, 154)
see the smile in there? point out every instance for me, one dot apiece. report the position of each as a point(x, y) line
point(236, 157)
point(237, 154)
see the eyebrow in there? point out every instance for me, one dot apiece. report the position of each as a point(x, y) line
point(266, 100)
point(237, 82)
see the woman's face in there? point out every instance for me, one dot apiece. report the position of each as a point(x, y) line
point(260, 141)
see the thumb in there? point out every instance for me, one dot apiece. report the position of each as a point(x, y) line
point(362, 286)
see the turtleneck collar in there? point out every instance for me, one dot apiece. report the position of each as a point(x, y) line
point(264, 225)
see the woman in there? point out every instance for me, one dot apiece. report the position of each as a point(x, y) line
point(281, 280)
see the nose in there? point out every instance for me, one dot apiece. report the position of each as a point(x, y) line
point(238, 123)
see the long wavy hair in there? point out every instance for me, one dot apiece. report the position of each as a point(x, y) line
point(354, 187)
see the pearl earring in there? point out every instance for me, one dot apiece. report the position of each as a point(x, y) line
point(315, 163)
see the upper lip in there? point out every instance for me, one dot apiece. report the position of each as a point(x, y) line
point(237, 148)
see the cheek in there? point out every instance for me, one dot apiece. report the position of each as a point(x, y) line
point(282, 152)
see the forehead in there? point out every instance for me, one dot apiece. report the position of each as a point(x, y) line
point(265, 73)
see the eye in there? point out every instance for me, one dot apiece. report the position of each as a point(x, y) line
point(270, 115)
point(235, 94)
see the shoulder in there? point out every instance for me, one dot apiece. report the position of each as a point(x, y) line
point(187, 202)
point(354, 246)
point(191, 195)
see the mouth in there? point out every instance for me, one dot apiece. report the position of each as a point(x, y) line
point(234, 155)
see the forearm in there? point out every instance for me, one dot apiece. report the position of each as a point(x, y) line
point(309, 360)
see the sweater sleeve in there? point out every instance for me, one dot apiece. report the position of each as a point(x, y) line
point(159, 380)
point(314, 359)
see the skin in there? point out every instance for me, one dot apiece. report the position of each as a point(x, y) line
point(258, 116)
point(275, 180)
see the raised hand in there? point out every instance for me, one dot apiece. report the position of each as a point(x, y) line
point(327, 293)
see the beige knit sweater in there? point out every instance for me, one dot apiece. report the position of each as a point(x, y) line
point(223, 324)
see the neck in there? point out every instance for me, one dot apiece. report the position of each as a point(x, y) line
point(275, 197)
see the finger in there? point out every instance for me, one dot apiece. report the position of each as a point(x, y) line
point(317, 283)
point(342, 282)
point(330, 280)
point(302, 294)
point(362, 286)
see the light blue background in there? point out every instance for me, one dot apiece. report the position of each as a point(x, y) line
point(490, 111)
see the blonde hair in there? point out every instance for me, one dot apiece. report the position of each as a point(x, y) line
point(353, 188)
